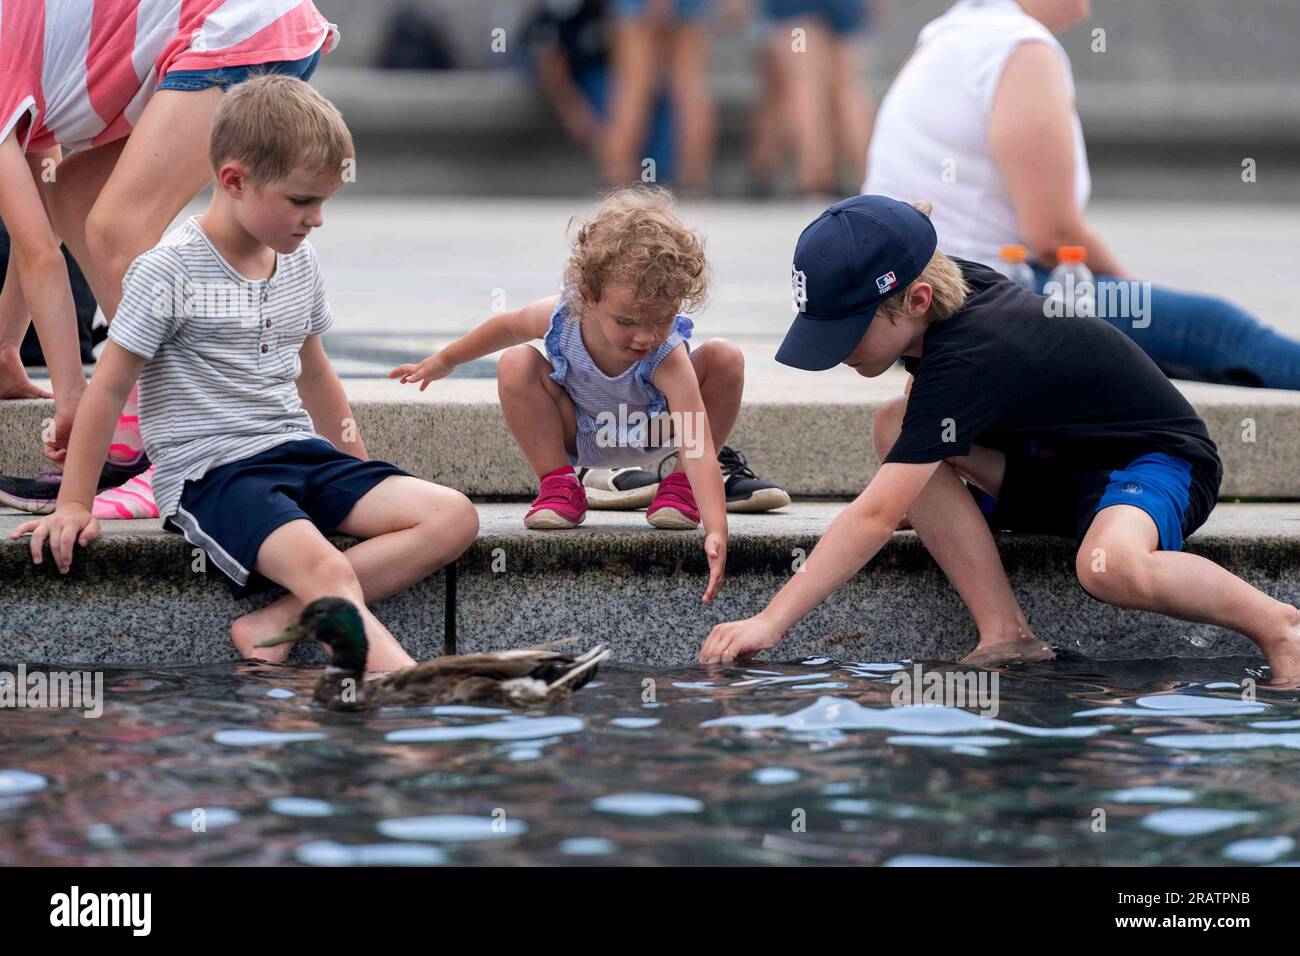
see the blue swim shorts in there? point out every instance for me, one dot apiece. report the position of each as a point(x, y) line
point(1043, 496)
point(228, 76)
point(232, 509)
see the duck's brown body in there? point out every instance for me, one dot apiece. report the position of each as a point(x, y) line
point(517, 678)
point(522, 677)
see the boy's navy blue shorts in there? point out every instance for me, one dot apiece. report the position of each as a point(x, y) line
point(1045, 496)
point(232, 509)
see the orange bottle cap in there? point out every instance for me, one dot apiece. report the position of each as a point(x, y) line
point(1072, 253)
point(1013, 253)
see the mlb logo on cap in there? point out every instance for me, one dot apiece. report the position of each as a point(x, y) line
point(886, 282)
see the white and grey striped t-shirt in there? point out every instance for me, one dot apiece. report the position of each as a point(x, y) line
point(222, 354)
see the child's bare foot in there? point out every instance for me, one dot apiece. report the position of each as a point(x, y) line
point(261, 624)
point(1283, 652)
point(1013, 650)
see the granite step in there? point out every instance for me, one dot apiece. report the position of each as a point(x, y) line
point(810, 432)
point(140, 595)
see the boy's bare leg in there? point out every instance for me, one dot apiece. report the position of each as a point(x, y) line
point(538, 412)
point(411, 529)
point(957, 536)
point(1120, 563)
point(720, 368)
point(300, 559)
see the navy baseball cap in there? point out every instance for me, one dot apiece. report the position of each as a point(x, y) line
point(851, 258)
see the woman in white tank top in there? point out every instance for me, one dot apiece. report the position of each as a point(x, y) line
point(981, 121)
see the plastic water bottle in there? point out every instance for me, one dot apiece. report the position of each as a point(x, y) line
point(1074, 286)
point(1015, 268)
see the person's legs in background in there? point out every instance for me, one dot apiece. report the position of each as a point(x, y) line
point(691, 91)
point(648, 33)
point(635, 79)
point(799, 46)
point(853, 111)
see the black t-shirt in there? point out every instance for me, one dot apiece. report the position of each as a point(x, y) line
point(1003, 375)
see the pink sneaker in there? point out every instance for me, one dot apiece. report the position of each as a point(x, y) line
point(560, 503)
point(674, 505)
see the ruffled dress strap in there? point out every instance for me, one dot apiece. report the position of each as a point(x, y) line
point(561, 318)
point(647, 367)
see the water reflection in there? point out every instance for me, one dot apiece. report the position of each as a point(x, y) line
point(800, 763)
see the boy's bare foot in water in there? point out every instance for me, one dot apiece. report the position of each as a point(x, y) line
point(265, 622)
point(1283, 652)
point(1016, 650)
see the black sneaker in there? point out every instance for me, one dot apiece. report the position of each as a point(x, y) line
point(618, 489)
point(746, 492)
point(39, 495)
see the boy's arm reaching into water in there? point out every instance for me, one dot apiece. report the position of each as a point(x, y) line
point(323, 396)
point(676, 378)
point(497, 333)
point(92, 432)
point(855, 537)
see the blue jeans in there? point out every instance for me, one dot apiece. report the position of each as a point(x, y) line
point(1202, 338)
point(228, 76)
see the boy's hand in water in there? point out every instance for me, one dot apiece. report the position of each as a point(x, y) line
point(715, 548)
point(430, 370)
point(737, 640)
point(70, 525)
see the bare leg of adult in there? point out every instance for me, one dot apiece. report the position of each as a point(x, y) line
point(631, 98)
point(853, 109)
point(692, 99)
point(81, 178)
point(767, 141)
point(802, 60)
point(162, 166)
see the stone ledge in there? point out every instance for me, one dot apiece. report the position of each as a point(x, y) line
point(811, 433)
point(134, 598)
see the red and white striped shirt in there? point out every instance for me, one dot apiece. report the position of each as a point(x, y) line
point(79, 72)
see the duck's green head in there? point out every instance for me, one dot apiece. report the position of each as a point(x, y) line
point(336, 623)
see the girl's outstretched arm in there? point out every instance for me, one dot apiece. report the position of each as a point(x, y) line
point(855, 537)
point(676, 378)
point(497, 333)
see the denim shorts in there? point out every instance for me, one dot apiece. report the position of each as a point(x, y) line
point(233, 508)
point(844, 17)
point(681, 9)
point(228, 76)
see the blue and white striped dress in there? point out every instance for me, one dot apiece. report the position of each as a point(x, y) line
point(612, 412)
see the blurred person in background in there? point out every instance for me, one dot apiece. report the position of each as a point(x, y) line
point(660, 45)
point(813, 92)
point(981, 121)
point(569, 51)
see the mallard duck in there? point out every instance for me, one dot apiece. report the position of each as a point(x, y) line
point(522, 677)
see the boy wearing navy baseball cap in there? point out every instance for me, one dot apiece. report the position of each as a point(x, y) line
point(1013, 421)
